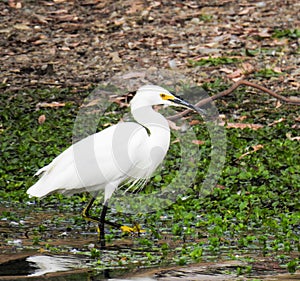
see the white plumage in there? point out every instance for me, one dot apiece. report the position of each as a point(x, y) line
point(121, 152)
point(129, 151)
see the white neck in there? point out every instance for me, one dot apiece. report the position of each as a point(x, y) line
point(158, 127)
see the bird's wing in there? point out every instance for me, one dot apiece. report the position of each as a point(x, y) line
point(94, 162)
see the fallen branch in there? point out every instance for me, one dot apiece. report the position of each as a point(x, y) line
point(230, 90)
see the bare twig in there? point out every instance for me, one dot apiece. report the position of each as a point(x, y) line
point(230, 90)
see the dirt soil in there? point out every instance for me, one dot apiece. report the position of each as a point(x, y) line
point(78, 44)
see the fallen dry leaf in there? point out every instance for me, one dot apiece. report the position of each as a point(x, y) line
point(14, 4)
point(226, 70)
point(247, 68)
point(42, 119)
point(21, 26)
point(119, 21)
point(243, 117)
point(246, 11)
point(241, 125)
point(278, 104)
point(115, 57)
point(134, 74)
point(295, 98)
point(296, 126)
point(194, 122)
point(198, 142)
point(59, 1)
point(236, 74)
point(173, 126)
point(121, 101)
point(277, 121)
point(136, 6)
point(295, 84)
point(255, 148)
point(91, 103)
point(277, 69)
point(289, 136)
point(264, 33)
point(175, 141)
point(297, 119)
point(51, 104)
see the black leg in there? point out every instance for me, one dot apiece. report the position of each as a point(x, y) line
point(87, 216)
point(101, 225)
point(102, 221)
point(86, 211)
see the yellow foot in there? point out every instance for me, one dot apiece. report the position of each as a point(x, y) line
point(135, 228)
point(98, 232)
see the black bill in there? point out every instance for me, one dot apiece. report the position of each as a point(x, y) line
point(183, 103)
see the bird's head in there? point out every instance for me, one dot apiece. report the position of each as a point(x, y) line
point(154, 95)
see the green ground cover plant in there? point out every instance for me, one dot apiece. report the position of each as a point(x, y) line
point(254, 209)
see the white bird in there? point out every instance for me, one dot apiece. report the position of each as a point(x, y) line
point(125, 152)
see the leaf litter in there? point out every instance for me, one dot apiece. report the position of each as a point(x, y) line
point(88, 42)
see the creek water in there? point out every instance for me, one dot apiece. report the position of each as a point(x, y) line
point(67, 268)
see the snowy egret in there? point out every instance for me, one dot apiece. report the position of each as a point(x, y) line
point(125, 152)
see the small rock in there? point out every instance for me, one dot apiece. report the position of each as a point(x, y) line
point(195, 21)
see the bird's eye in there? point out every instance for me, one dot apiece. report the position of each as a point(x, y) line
point(163, 96)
